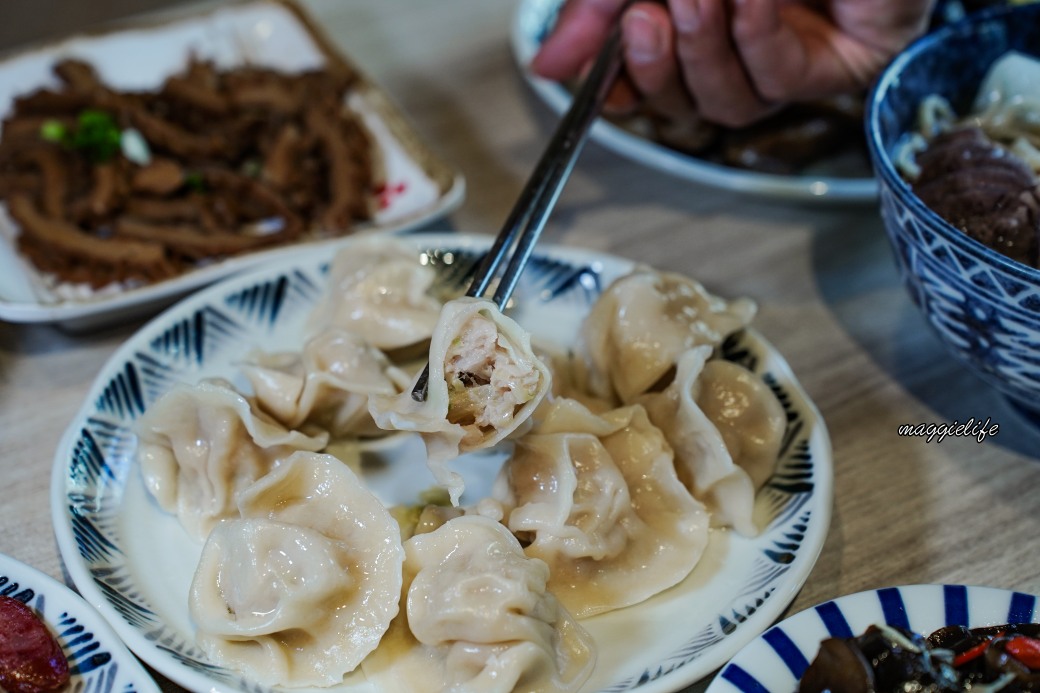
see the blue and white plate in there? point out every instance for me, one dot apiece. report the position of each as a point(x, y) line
point(135, 563)
point(831, 182)
point(776, 661)
point(98, 661)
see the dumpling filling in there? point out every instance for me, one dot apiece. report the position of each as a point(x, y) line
point(487, 383)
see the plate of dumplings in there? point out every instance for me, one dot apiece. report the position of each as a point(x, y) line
point(254, 499)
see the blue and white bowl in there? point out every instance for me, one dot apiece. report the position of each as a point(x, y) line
point(984, 306)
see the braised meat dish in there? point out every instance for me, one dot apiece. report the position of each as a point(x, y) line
point(110, 186)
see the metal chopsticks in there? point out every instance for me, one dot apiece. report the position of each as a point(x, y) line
point(526, 220)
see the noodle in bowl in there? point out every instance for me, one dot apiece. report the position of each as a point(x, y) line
point(984, 306)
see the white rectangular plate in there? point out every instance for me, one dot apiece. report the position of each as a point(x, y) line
point(269, 33)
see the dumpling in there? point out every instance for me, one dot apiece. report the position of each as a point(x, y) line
point(484, 382)
point(302, 587)
point(726, 427)
point(378, 289)
point(326, 386)
point(199, 445)
point(597, 498)
point(747, 413)
point(570, 379)
point(477, 618)
point(643, 322)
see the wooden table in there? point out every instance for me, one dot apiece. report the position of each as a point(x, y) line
point(905, 510)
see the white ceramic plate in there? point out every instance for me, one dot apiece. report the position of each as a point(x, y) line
point(776, 661)
point(268, 33)
point(531, 24)
point(135, 562)
point(98, 659)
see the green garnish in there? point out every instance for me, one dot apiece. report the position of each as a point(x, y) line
point(195, 182)
point(408, 516)
point(96, 135)
point(53, 131)
point(251, 168)
point(435, 496)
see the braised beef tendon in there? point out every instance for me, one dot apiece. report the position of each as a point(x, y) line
point(135, 187)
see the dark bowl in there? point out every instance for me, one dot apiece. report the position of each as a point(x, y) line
point(984, 306)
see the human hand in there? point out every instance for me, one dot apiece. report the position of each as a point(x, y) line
point(734, 61)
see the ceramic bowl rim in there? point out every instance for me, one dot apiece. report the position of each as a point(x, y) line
point(887, 82)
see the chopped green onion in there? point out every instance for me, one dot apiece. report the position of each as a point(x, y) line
point(251, 168)
point(97, 135)
point(195, 182)
point(53, 131)
point(434, 496)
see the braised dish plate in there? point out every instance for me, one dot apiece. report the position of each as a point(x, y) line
point(775, 661)
point(135, 563)
point(98, 660)
point(264, 33)
point(837, 181)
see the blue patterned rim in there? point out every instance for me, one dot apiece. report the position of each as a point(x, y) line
point(98, 661)
point(95, 460)
point(780, 656)
point(951, 61)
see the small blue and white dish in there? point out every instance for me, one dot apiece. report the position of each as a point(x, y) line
point(983, 306)
point(98, 659)
point(775, 661)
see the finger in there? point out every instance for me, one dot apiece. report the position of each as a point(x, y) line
point(710, 65)
point(782, 50)
point(575, 39)
point(650, 61)
point(792, 51)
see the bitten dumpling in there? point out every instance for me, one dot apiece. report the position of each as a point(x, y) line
point(726, 427)
point(199, 445)
point(378, 290)
point(643, 322)
point(484, 382)
point(597, 498)
point(304, 585)
point(326, 386)
point(477, 618)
